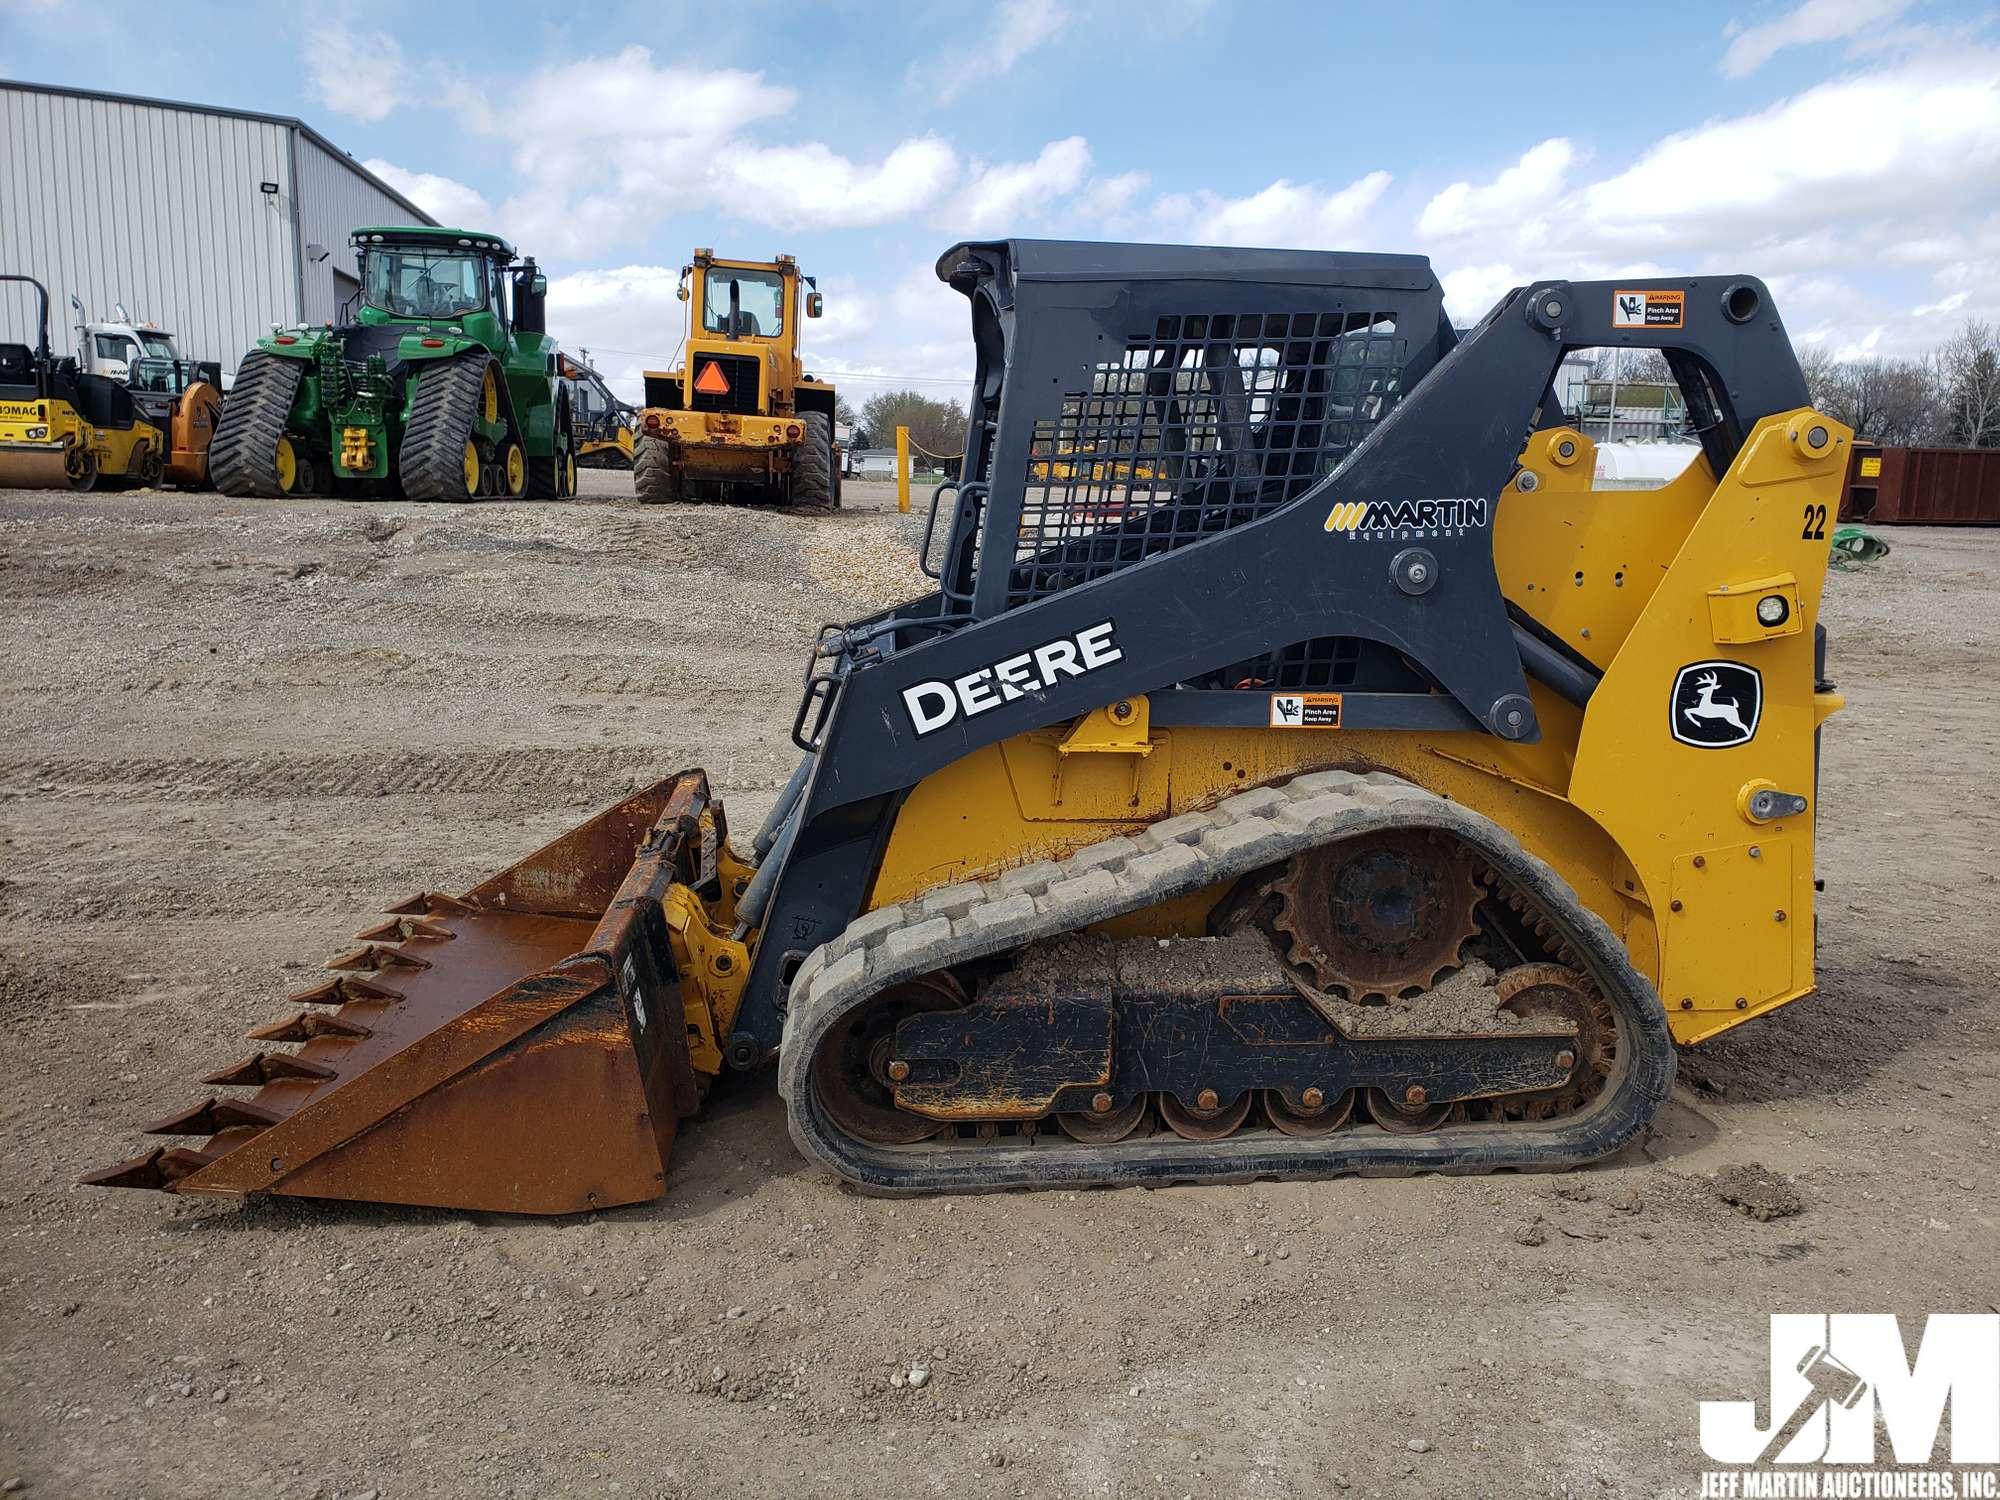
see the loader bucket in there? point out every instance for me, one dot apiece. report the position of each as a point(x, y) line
point(520, 1048)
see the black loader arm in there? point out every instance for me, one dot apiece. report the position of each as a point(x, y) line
point(1160, 501)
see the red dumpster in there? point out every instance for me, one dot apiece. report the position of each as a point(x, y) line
point(1922, 486)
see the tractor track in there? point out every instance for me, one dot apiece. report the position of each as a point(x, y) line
point(431, 463)
point(243, 456)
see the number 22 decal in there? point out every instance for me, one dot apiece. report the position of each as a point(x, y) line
point(1815, 528)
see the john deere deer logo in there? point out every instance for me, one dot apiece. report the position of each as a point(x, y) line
point(1716, 704)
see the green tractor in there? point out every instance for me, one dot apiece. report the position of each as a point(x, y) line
point(442, 385)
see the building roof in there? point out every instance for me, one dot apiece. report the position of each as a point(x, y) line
point(291, 121)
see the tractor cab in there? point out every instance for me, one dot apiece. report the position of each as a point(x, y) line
point(438, 279)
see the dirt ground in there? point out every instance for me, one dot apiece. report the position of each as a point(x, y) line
point(233, 730)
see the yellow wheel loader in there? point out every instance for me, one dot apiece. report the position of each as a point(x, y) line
point(62, 429)
point(740, 420)
point(1314, 776)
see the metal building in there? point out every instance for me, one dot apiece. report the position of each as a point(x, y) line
point(211, 223)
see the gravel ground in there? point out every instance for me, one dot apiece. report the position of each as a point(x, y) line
point(231, 730)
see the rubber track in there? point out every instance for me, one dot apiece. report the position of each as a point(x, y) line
point(652, 479)
point(243, 454)
point(812, 467)
point(1246, 832)
point(431, 463)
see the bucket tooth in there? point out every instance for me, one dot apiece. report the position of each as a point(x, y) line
point(159, 1168)
point(429, 904)
point(400, 929)
point(269, 1067)
point(306, 1025)
point(212, 1116)
point(376, 957)
point(344, 990)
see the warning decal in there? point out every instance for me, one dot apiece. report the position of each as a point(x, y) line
point(1648, 309)
point(1305, 710)
point(1871, 468)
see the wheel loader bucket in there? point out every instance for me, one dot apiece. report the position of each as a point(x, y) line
point(520, 1048)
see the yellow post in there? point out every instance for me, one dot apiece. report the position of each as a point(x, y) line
point(903, 470)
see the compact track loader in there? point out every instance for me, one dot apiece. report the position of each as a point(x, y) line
point(64, 428)
point(1311, 775)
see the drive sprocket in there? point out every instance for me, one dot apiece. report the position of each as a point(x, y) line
point(1378, 916)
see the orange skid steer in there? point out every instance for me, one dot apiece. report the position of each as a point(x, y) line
point(1271, 786)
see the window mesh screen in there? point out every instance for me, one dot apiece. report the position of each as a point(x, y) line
point(1211, 421)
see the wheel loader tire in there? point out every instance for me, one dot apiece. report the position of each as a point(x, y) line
point(812, 468)
point(653, 478)
point(243, 457)
point(433, 463)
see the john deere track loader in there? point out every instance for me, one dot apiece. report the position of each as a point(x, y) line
point(740, 420)
point(63, 428)
point(1315, 776)
point(446, 386)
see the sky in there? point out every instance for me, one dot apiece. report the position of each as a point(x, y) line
point(1847, 151)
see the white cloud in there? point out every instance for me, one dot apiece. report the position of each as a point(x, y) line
point(1841, 186)
point(1012, 195)
point(360, 74)
point(1285, 214)
point(605, 147)
point(1751, 47)
point(1018, 28)
point(814, 187)
point(1526, 189)
point(446, 200)
point(1948, 304)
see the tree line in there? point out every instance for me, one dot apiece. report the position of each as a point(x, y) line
point(935, 426)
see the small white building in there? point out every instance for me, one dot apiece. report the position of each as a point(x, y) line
point(211, 223)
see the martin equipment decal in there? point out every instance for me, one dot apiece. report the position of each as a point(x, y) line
point(936, 703)
point(1407, 519)
point(1716, 704)
point(1648, 309)
point(1305, 710)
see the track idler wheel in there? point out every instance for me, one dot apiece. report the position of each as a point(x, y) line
point(1102, 1128)
point(851, 1073)
point(1320, 1117)
point(1405, 1116)
point(1205, 1122)
point(1547, 989)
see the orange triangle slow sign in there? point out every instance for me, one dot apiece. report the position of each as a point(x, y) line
point(711, 381)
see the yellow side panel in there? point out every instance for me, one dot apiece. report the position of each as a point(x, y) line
point(1664, 801)
point(1585, 562)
